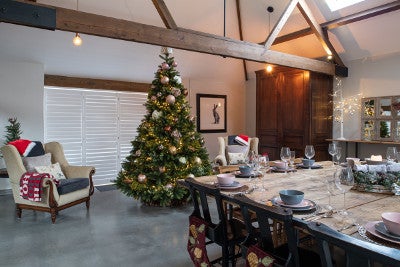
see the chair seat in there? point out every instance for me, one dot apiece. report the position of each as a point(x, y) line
point(70, 185)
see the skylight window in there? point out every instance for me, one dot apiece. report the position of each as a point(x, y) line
point(339, 4)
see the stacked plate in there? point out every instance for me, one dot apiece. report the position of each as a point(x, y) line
point(304, 205)
point(238, 174)
point(314, 166)
point(233, 185)
point(377, 229)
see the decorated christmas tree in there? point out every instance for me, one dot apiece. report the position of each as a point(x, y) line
point(167, 147)
point(13, 131)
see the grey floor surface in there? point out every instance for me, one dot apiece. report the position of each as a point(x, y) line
point(116, 231)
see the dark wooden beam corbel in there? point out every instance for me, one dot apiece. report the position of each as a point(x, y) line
point(165, 14)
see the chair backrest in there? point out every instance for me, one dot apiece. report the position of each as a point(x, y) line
point(13, 160)
point(223, 142)
point(273, 223)
point(358, 252)
point(57, 153)
point(200, 193)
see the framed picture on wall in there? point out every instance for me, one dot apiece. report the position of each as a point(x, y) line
point(211, 113)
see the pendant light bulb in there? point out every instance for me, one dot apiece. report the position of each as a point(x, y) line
point(268, 68)
point(77, 41)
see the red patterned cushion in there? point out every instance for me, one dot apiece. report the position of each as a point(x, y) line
point(256, 257)
point(196, 245)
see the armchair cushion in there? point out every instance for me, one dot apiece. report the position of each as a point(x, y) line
point(23, 146)
point(31, 162)
point(37, 150)
point(53, 169)
point(70, 185)
point(236, 158)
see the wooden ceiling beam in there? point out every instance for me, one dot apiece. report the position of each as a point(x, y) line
point(165, 14)
point(241, 36)
point(98, 25)
point(319, 32)
point(366, 14)
point(279, 25)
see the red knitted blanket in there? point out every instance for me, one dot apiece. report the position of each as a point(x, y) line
point(30, 185)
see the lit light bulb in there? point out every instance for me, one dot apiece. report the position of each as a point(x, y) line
point(77, 41)
point(329, 57)
point(268, 68)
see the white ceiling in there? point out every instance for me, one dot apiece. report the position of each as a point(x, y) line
point(120, 60)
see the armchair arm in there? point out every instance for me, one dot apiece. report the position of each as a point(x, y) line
point(220, 160)
point(52, 195)
point(80, 172)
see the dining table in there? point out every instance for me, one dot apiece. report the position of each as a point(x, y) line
point(363, 209)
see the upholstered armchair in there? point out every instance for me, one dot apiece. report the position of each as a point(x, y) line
point(225, 157)
point(69, 192)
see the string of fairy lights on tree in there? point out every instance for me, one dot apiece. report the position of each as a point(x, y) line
point(342, 106)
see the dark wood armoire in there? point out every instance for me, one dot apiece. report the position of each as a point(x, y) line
point(294, 109)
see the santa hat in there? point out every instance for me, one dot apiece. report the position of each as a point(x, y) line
point(23, 146)
point(242, 139)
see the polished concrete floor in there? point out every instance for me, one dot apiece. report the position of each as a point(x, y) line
point(116, 231)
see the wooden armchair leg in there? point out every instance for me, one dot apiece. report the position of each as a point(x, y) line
point(19, 211)
point(53, 213)
point(88, 203)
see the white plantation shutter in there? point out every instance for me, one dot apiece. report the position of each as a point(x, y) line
point(95, 127)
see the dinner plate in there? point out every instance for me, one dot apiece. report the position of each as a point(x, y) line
point(370, 227)
point(234, 185)
point(238, 174)
point(305, 205)
point(315, 166)
point(275, 169)
point(380, 228)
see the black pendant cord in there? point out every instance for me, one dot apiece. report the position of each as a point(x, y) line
point(224, 18)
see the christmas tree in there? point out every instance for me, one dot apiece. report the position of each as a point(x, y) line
point(167, 147)
point(13, 131)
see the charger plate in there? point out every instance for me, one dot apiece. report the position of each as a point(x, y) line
point(305, 205)
point(370, 227)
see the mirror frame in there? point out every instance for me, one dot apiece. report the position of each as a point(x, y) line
point(377, 118)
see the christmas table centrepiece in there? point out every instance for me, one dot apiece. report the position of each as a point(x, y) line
point(167, 147)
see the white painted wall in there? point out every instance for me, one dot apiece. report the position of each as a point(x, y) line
point(21, 96)
point(372, 77)
point(236, 108)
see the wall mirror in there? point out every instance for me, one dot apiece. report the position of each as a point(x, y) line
point(368, 107)
point(380, 118)
point(385, 107)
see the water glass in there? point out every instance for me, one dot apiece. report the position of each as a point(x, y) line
point(309, 152)
point(285, 155)
point(344, 180)
point(292, 158)
point(332, 149)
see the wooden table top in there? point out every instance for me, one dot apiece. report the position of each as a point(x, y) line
point(362, 207)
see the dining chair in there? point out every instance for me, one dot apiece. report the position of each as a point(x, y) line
point(272, 236)
point(357, 252)
point(222, 230)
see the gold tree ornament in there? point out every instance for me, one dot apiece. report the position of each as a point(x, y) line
point(172, 150)
point(142, 178)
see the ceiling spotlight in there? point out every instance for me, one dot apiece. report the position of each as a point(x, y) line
point(329, 57)
point(77, 41)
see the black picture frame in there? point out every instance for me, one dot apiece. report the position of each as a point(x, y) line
point(211, 113)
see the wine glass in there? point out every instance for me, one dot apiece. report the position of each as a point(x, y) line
point(332, 149)
point(338, 154)
point(332, 188)
point(309, 152)
point(391, 153)
point(261, 173)
point(344, 180)
point(292, 158)
point(285, 156)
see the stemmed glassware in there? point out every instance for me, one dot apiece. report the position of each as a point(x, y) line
point(344, 180)
point(332, 149)
point(338, 154)
point(332, 188)
point(309, 152)
point(391, 154)
point(285, 156)
point(292, 158)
